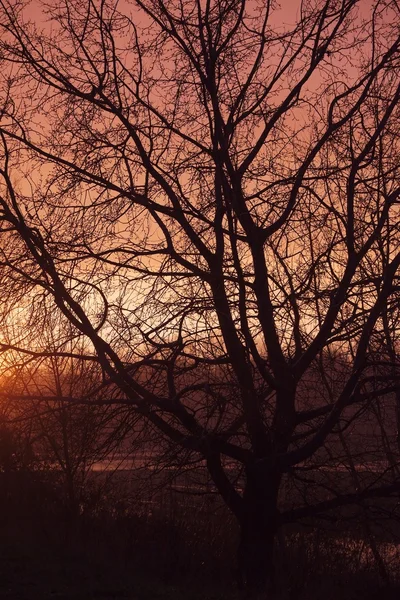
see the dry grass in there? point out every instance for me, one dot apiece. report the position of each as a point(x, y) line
point(167, 547)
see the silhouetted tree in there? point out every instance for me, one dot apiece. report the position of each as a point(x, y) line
point(208, 192)
point(68, 433)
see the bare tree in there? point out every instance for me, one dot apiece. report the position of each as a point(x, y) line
point(66, 434)
point(208, 193)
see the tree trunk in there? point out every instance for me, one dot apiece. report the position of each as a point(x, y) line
point(256, 560)
point(258, 527)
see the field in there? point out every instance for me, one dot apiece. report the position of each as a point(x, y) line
point(147, 536)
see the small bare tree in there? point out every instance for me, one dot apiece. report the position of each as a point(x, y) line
point(208, 193)
point(67, 434)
